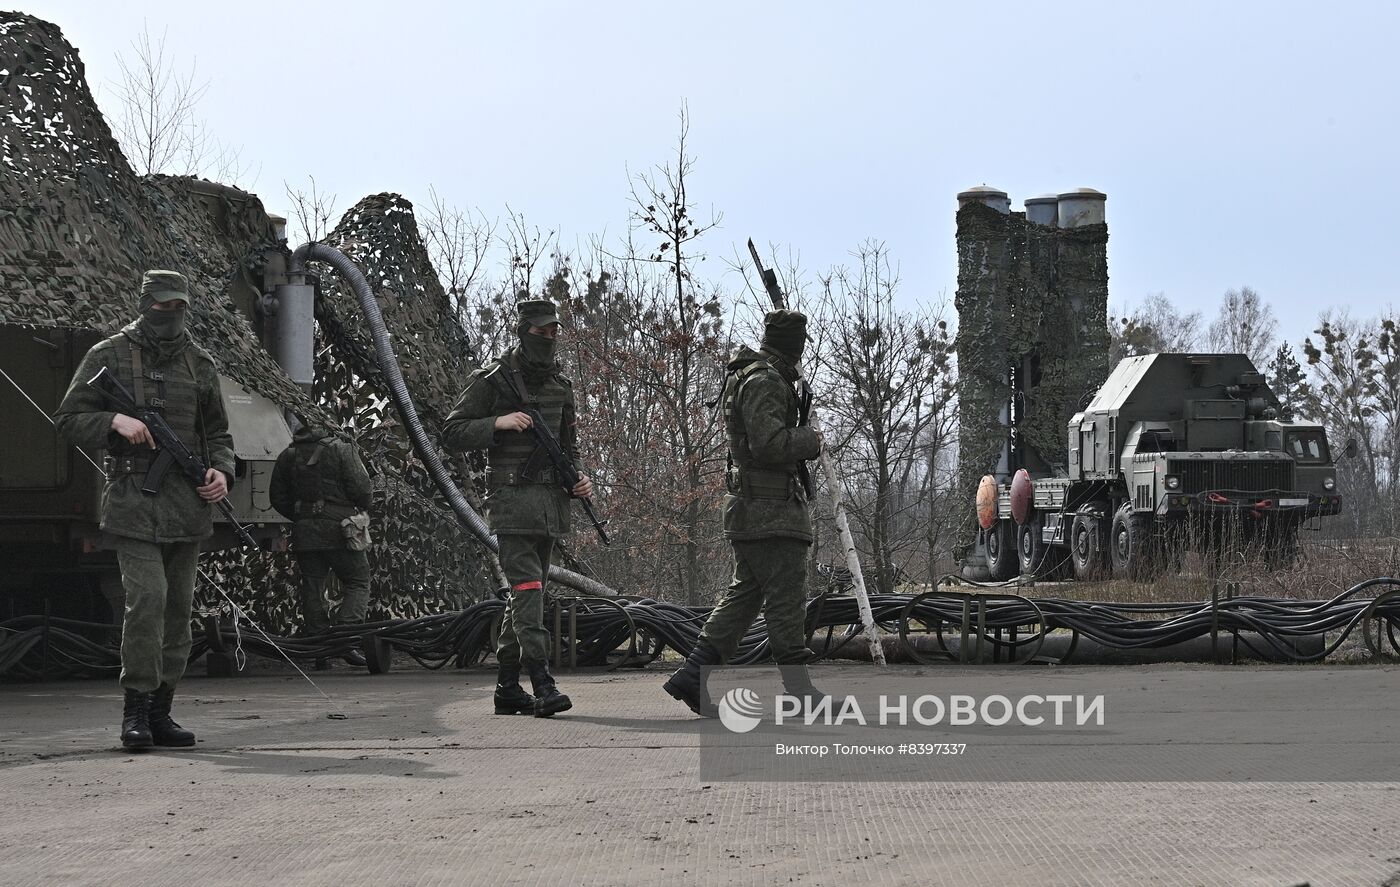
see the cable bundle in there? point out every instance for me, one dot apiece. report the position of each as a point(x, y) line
point(622, 632)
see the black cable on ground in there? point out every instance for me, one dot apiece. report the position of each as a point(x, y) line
point(617, 632)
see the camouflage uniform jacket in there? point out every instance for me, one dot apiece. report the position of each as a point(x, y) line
point(516, 505)
point(766, 447)
point(319, 481)
point(194, 407)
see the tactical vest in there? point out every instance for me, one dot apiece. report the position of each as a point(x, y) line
point(317, 495)
point(171, 389)
point(509, 460)
point(747, 476)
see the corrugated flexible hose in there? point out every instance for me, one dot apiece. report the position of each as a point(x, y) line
point(403, 402)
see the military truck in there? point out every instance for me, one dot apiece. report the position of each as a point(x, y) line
point(49, 491)
point(1176, 452)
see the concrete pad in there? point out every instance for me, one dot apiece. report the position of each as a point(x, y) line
point(420, 784)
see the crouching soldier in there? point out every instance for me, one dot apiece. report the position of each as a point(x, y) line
point(527, 508)
point(766, 518)
point(320, 484)
point(156, 537)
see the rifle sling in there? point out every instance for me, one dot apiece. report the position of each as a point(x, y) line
point(137, 373)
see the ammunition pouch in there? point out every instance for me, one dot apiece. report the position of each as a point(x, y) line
point(764, 483)
point(355, 528)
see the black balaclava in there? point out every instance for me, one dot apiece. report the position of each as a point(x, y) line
point(163, 331)
point(536, 354)
point(785, 337)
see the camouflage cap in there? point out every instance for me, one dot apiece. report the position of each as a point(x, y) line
point(163, 286)
point(537, 312)
point(785, 331)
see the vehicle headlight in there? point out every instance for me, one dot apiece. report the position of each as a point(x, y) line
point(1173, 482)
point(1329, 483)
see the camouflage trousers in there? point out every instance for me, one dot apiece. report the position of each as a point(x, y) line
point(524, 639)
point(769, 575)
point(158, 579)
point(351, 568)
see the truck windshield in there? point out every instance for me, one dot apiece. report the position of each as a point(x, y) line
point(1306, 446)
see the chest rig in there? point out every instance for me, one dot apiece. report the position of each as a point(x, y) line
point(746, 475)
point(171, 389)
point(519, 458)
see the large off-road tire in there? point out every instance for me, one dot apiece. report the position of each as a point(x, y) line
point(1133, 547)
point(1002, 562)
point(1030, 550)
point(1086, 548)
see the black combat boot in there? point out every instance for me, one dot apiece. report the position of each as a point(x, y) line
point(548, 700)
point(797, 681)
point(688, 684)
point(511, 698)
point(136, 720)
point(355, 657)
point(164, 730)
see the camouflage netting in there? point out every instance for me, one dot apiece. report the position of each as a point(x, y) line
point(77, 229)
point(424, 561)
point(1034, 298)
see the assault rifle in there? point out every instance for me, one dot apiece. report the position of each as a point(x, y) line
point(564, 470)
point(171, 452)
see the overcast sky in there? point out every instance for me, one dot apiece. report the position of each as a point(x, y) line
point(1238, 143)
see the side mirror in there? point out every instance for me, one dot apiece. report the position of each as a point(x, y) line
point(1352, 450)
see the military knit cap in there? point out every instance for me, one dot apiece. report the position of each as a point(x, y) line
point(785, 331)
point(537, 312)
point(163, 286)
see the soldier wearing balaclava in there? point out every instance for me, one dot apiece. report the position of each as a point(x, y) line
point(766, 517)
point(156, 538)
point(527, 508)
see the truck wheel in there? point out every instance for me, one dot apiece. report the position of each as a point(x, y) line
point(1132, 548)
point(1002, 562)
point(1086, 548)
point(1030, 548)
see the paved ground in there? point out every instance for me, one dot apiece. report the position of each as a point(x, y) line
point(420, 785)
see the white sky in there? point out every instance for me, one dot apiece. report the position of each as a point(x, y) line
point(1240, 143)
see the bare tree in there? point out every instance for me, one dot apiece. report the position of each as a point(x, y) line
point(458, 242)
point(312, 210)
point(1154, 327)
point(526, 246)
point(1340, 393)
point(156, 122)
point(1245, 325)
point(888, 397)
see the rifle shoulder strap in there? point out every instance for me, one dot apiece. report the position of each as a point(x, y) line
point(511, 383)
point(498, 379)
point(198, 408)
point(137, 389)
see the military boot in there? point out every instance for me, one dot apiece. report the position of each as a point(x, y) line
point(164, 730)
point(548, 700)
point(688, 683)
point(797, 681)
point(511, 698)
point(136, 720)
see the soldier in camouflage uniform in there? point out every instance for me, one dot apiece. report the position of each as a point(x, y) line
point(317, 483)
point(766, 515)
point(527, 508)
point(156, 537)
